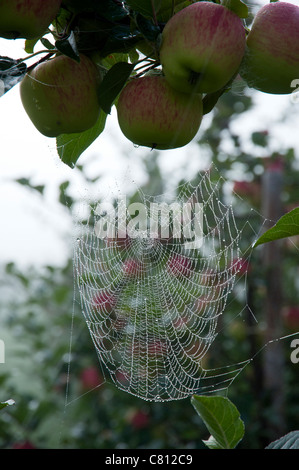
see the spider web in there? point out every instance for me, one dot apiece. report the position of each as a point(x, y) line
point(152, 301)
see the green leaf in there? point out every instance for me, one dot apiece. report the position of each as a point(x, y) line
point(26, 182)
point(4, 404)
point(30, 44)
point(147, 28)
point(260, 138)
point(47, 44)
point(112, 84)
point(109, 9)
point(121, 39)
point(211, 99)
point(71, 146)
point(287, 226)
point(68, 47)
point(222, 419)
point(237, 6)
point(289, 441)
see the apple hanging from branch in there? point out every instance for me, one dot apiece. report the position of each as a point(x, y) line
point(27, 19)
point(202, 47)
point(271, 61)
point(152, 114)
point(60, 95)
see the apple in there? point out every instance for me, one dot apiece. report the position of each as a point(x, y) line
point(291, 318)
point(202, 47)
point(179, 265)
point(60, 95)
point(139, 420)
point(271, 61)
point(250, 190)
point(152, 114)
point(26, 444)
point(104, 301)
point(90, 378)
point(122, 378)
point(240, 266)
point(27, 19)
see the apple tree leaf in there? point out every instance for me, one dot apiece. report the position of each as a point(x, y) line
point(148, 29)
point(112, 84)
point(287, 226)
point(11, 72)
point(122, 38)
point(237, 6)
point(210, 100)
point(71, 146)
point(289, 441)
point(30, 44)
point(145, 7)
point(47, 44)
point(68, 47)
point(110, 9)
point(222, 420)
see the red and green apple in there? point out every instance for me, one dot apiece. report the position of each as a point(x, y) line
point(271, 61)
point(27, 19)
point(152, 114)
point(202, 47)
point(60, 95)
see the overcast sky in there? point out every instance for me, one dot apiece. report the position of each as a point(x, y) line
point(32, 231)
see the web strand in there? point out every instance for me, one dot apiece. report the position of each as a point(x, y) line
point(152, 304)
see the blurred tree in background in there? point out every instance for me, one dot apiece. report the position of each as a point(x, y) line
point(59, 406)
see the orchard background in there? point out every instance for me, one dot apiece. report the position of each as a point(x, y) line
point(251, 138)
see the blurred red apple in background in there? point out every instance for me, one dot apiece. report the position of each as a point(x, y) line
point(90, 378)
point(104, 301)
point(291, 318)
point(179, 265)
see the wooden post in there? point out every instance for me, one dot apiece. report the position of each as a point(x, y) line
point(272, 183)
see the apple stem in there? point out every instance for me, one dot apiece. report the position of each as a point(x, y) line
point(39, 52)
point(154, 13)
point(43, 59)
point(172, 8)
